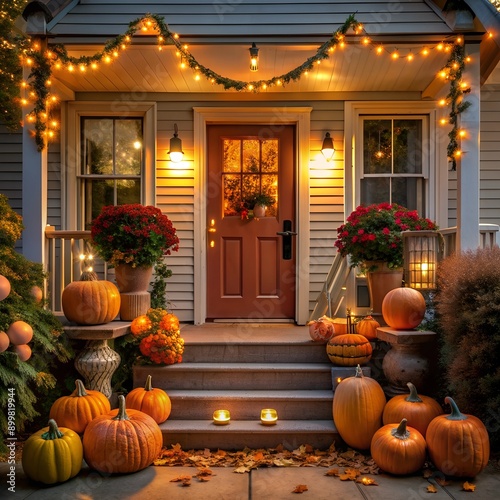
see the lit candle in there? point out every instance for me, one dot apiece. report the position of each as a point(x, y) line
point(268, 416)
point(221, 417)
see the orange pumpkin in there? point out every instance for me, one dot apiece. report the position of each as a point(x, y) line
point(350, 349)
point(340, 326)
point(4, 341)
point(20, 333)
point(418, 410)
point(458, 444)
point(90, 301)
point(368, 327)
point(155, 402)
point(121, 441)
point(4, 287)
point(403, 308)
point(78, 409)
point(398, 448)
point(23, 351)
point(358, 404)
point(322, 329)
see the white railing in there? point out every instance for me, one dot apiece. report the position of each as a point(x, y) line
point(64, 254)
point(488, 237)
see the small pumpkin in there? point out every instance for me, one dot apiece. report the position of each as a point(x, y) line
point(419, 410)
point(90, 301)
point(79, 408)
point(349, 349)
point(4, 287)
point(20, 333)
point(322, 329)
point(52, 455)
point(367, 327)
point(458, 443)
point(340, 326)
point(121, 441)
point(358, 404)
point(23, 351)
point(398, 448)
point(403, 308)
point(153, 401)
point(4, 341)
point(37, 294)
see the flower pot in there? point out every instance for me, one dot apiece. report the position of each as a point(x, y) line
point(133, 279)
point(259, 211)
point(381, 280)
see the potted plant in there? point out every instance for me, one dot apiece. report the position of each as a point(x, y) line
point(260, 202)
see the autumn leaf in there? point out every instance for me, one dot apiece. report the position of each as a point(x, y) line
point(332, 472)
point(367, 481)
point(442, 481)
point(353, 473)
point(468, 486)
point(300, 488)
point(179, 479)
point(283, 462)
point(427, 474)
point(259, 456)
point(431, 489)
point(241, 470)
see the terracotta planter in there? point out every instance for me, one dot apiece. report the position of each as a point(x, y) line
point(381, 281)
point(133, 279)
point(259, 211)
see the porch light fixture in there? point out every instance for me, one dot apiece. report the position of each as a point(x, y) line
point(254, 57)
point(176, 152)
point(327, 149)
point(268, 416)
point(422, 251)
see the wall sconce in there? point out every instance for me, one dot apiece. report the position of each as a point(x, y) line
point(176, 152)
point(421, 252)
point(254, 57)
point(327, 149)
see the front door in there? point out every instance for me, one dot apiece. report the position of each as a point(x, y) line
point(250, 257)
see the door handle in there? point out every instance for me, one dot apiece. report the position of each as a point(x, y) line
point(287, 234)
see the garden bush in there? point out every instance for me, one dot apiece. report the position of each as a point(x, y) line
point(468, 309)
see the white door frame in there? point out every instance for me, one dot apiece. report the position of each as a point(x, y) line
point(275, 118)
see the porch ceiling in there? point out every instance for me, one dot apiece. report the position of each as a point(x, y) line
point(143, 68)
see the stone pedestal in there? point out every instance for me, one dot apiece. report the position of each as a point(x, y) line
point(97, 361)
point(134, 304)
point(410, 359)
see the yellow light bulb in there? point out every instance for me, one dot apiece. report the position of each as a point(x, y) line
point(82, 68)
point(409, 57)
point(93, 65)
point(71, 68)
point(425, 51)
point(462, 133)
point(443, 121)
point(379, 49)
point(366, 40)
point(440, 46)
point(395, 55)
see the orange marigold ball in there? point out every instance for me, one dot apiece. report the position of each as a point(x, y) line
point(140, 325)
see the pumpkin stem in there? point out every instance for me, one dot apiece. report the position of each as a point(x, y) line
point(53, 431)
point(122, 413)
point(455, 412)
point(80, 388)
point(413, 397)
point(148, 386)
point(401, 432)
point(359, 372)
point(89, 276)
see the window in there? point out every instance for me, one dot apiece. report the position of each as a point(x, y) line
point(394, 165)
point(111, 163)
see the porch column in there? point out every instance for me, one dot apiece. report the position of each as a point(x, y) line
point(468, 171)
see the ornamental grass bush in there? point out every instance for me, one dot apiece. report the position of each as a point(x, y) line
point(468, 309)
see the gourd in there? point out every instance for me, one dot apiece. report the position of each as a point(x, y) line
point(398, 448)
point(4, 287)
point(79, 408)
point(90, 301)
point(53, 454)
point(20, 333)
point(4, 341)
point(418, 410)
point(121, 441)
point(458, 443)
point(358, 404)
point(152, 401)
point(322, 329)
point(403, 308)
point(349, 349)
point(368, 327)
point(23, 351)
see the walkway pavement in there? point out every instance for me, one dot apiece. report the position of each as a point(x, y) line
point(276, 483)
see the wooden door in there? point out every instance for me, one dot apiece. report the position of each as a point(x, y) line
point(250, 266)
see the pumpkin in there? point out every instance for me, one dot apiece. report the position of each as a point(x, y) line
point(78, 409)
point(458, 443)
point(350, 349)
point(398, 448)
point(403, 308)
point(36, 293)
point(4, 287)
point(53, 454)
point(368, 327)
point(358, 404)
point(155, 402)
point(322, 329)
point(340, 326)
point(20, 333)
point(4, 341)
point(121, 441)
point(23, 351)
point(418, 410)
point(90, 301)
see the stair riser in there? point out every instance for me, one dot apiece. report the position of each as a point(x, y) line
point(187, 409)
point(230, 353)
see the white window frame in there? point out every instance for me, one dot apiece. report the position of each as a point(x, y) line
point(71, 159)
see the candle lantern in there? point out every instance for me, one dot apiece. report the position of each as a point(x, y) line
point(421, 252)
point(221, 417)
point(268, 416)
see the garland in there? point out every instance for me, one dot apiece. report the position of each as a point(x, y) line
point(42, 69)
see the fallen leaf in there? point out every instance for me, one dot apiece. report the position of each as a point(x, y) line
point(468, 486)
point(332, 472)
point(431, 489)
point(442, 481)
point(367, 481)
point(427, 474)
point(300, 488)
point(179, 479)
point(241, 470)
point(345, 477)
point(353, 473)
point(283, 462)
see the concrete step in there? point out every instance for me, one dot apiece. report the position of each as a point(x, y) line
point(240, 376)
point(246, 404)
point(239, 434)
